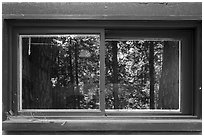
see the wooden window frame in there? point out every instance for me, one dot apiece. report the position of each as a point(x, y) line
point(57, 31)
point(113, 121)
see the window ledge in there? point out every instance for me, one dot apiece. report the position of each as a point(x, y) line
point(102, 124)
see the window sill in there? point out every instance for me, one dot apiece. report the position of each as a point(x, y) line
point(103, 124)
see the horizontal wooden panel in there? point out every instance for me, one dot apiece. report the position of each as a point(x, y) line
point(106, 11)
point(101, 133)
point(104, 125)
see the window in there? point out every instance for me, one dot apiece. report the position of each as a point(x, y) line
point(152, 83)
point(62, 72)
point(101, 75)
point(139, 74)
point(59, 71)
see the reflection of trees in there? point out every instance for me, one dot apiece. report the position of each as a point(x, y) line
point(133, 73)
point(78, 74)
point(63, 72)
point(59, 77)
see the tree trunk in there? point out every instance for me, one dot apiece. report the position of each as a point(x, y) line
point(115, 74)
point(71, 100)
point(76, 76)
point(169, 82)
point(151, 73)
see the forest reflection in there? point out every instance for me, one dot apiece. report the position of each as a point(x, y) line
point(142, 74)
point(63, 72)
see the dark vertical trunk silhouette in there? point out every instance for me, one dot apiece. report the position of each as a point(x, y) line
point(71, 101)
point(151, 73)
point(115, 74)
point(76, 75)
point(169, 82)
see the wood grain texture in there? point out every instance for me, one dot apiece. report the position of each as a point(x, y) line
point(100, 133)
point(104, 11)
point(103, 125)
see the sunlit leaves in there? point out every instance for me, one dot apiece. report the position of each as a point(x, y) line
point(77, 64)
point(134, 81)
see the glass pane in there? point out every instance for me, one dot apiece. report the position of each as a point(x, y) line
point(60, 71)
point(142, 74)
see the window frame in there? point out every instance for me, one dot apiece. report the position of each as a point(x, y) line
point(134, 121)
point(40, 33)
point(55, 31)
point(183, 36)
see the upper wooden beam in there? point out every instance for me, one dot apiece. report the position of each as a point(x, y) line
point(103, 11)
